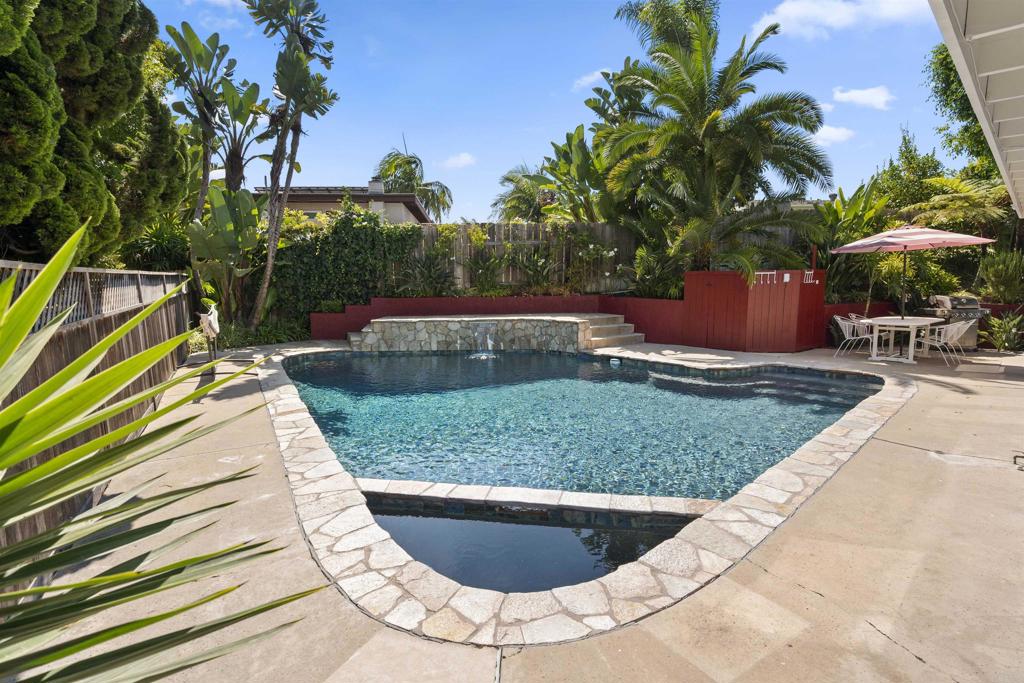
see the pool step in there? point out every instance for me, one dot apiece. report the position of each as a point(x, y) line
point(617, 333)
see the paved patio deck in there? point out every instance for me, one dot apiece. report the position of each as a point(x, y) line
point(905, 566)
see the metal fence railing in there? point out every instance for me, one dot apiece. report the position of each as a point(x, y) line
point(93, 292)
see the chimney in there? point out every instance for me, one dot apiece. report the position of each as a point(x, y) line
point(375, 186)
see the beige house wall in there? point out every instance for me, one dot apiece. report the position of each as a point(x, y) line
point(395, 212)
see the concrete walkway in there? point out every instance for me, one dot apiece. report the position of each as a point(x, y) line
point(906, 566)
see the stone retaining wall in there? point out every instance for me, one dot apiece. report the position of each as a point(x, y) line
point(458, 333)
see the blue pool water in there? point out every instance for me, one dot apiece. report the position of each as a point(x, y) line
point(563, 421)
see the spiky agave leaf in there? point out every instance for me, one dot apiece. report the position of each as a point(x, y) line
point(34, 613)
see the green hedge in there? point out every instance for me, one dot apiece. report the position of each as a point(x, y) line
point(347, 261)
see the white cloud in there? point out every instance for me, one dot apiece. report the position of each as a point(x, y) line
point(826, 106)
point(218, 21)
point(460, 160)
point(877, 97)
point(587, 80)
point(829, 135)
point(817, 19)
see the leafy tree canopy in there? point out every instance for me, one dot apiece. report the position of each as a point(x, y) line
point(962, 135)
point(904, 178)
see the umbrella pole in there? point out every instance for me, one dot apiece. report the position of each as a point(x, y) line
point(903, 287)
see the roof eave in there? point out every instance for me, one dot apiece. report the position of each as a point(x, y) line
point(959, 50)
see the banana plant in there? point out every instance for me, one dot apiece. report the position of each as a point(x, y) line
point(224, 246)
point(577, 175)
point(37, 614)
point(302, 92)
point(237, 123)
point(199, 66)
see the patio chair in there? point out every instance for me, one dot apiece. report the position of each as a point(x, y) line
point(854, 334)
point(944, 338)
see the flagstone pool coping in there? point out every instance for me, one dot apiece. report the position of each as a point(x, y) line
point(386, 583)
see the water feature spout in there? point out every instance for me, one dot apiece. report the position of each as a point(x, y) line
point(483, 340)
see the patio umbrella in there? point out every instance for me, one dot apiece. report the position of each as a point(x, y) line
point(910, 238)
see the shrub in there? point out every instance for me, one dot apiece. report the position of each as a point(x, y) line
point(1004, 333)
point(357, 255)
point(428, 275)
point(1003, 274)
point(237, 335)
point(162, 246)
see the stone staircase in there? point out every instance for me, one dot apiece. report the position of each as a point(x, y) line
point(612, 330)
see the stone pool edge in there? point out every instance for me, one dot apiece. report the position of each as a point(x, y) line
point(376, 574)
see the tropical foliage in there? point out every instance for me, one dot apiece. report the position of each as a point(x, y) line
point(844, 220)
point(301, 92)
point(684, 152)
point(1005, 333)
point(353, 256)
point(524, 196)
point(981, 207)
point(1002, 273)
point(61, 413)
point(904, 178)
point(225, 247)
point(403, 172)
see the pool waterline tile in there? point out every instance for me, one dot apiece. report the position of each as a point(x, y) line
point(765, 506)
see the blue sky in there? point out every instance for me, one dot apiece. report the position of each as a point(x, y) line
point(478, 86)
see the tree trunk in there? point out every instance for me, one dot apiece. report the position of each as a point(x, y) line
point(197, 214)
point(234, 170)
point(277, 161)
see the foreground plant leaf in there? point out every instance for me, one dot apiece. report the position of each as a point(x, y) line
point(36, 612)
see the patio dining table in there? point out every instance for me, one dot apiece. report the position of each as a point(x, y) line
point(895, 323)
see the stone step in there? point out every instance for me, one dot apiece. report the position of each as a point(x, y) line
point(616, 340)
point(604, 319)
point(355, 337)
point(611, 330)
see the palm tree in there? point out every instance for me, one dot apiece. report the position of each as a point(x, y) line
point(722, 237)
point(698, 134)
point(403, 172)
point(524, 196)
point(658, 21)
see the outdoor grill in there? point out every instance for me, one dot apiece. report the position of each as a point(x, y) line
point(955, 309)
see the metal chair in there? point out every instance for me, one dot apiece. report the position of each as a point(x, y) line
point(854, 334)
point(944, 338)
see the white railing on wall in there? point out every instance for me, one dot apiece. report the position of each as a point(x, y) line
point(93, 292)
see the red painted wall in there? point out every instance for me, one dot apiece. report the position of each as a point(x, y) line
point(661, 320)
point(720, 311)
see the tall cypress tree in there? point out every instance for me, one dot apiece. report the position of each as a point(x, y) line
point(31, 114)
point(92, 53)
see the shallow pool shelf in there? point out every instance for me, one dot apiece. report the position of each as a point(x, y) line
point(515, 548)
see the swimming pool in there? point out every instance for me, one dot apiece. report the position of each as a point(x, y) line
point(561, 421)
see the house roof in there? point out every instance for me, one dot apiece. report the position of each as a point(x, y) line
point(987, 46)
point(360, 194)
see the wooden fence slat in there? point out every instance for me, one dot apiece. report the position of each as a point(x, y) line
point(103, 300)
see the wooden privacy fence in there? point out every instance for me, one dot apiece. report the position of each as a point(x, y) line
point(102, 300)
point(587, 255)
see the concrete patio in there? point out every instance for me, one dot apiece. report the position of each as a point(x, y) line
point(903, 567)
